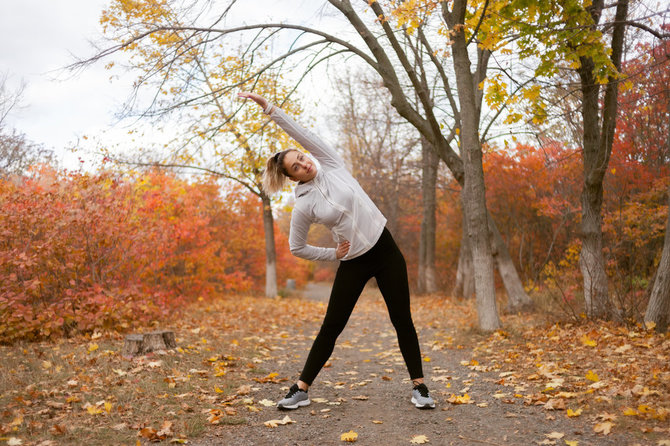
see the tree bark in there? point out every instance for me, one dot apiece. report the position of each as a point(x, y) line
point(597, 148)
point(465, 274)
point(270, 251)
point(517, 298)
point(658, 308)
point(427, 282)
point(474, 191)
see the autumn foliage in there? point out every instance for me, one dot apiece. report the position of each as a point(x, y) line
point(82, 251)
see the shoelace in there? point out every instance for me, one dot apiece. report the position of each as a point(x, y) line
point(422, 389)
point(292, 391)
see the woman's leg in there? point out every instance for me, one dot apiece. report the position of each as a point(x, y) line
point(350, 280)
point(394, 286)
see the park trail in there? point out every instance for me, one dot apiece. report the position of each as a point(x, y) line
point(365, 388)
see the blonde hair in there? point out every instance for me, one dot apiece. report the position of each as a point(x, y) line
point(275, 175)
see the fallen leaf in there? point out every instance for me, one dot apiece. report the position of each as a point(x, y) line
point(555, 404)
point(13, 441)
point(555, 435)
point(588, 341)
point(419, 439)
point(592, 376)
point(377, 422)
point(266, 403)
point(465, 399)
point(275, 423)
point(360, 398)
point(349, 437)
point(571, 443)
point(603, 428)
point(574, 413)
point(92, 347)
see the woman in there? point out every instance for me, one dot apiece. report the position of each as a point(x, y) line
point(331, 196)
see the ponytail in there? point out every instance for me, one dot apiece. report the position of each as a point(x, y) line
point(275, 176)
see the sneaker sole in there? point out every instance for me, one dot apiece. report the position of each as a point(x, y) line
point(295, 406)
point(422, 406)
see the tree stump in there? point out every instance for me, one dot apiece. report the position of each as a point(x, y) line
point(139, 344)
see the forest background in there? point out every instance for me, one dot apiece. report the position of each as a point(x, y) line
point(557, 130)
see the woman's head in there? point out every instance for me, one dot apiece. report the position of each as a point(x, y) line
point(288, 164)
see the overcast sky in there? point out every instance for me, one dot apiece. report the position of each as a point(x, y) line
point(40, 37)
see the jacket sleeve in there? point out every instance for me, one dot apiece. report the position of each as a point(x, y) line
point(323, 152)
point(297, 240)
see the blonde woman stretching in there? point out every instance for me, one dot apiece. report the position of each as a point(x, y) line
point(331, 196)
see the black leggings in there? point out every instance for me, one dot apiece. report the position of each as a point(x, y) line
point(386, 263)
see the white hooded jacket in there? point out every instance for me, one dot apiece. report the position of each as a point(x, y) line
point(333, 198)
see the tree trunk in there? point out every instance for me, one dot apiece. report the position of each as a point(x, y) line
point(427, 278)
point(658, 308)
point(597, 149)
point(139, 344)
point(465, 274)
point(517, 298)
point(270, 251)
point(474, 191)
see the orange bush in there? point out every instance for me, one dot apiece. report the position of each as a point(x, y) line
point(80, 251)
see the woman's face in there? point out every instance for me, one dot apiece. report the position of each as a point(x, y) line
point(299, 167)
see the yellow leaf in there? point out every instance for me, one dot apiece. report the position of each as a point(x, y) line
point(427, 359)
point(217, 390)
point(555, 435)
point(588, 341)
point(571, 442)
point(574, 413)
point(108, 407)
point(465, 399)
point(93, 410)
point(643, 408)
point(650, 325)
point(350, 436)
point(592, 376)
point(377, 422)
point(419, 439)
point(630, 412)
point(92, 347)
point(604, 428)
point(46, 365)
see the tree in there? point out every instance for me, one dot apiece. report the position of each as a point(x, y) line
point(427, 282)
point(17, 152)
point(407, 63)
point(191, 84)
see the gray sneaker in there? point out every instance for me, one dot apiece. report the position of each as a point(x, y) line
point(421, 398)
point(295, 398)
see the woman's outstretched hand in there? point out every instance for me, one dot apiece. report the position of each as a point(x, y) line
point(342, 249)
point(258, 99)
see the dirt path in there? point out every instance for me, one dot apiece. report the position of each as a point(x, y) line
point(365, 388)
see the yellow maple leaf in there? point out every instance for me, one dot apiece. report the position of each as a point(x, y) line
point(592, 376)
point(419, 439)
point(93, 410)
point(350, 436)
point(574, 413)
point(588, 341)
point(454, 399)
